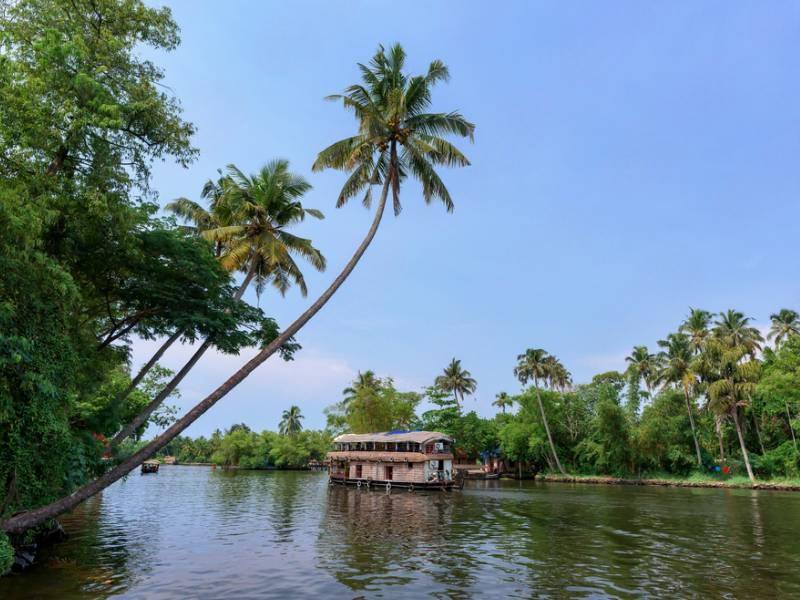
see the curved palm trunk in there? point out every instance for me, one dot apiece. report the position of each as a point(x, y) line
point(691, 422)
point(153, 405)
point(547, 429)
point(26, 520)
point(735, 414)
point(149, 365)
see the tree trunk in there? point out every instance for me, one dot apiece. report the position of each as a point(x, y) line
point(718, 427)
point(23, 521)
point(735, 414)
point(789, 417)
point(149, 365)
point(148, 410)
point(691, 422)
point(758, 433)
point(547, 429)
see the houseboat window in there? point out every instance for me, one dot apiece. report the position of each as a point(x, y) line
point(410, 465)
point(358, 471)
point(389, 472)
point(428, 448)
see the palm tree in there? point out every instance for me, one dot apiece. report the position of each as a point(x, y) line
point(396, 138)
point(558, 377)
point(456, 380)
point(366, 381)
point(677, 359)
point(733, 382)
point(256, 239)
point(502, 400)
point(396, 135)
point(247, 221)
point(734, 330)
point(644, 366)
point(785, 323)
point(534, 365)
point(697, 327)
point(291, 421)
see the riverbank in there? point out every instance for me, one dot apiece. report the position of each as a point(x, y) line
point(693, 481)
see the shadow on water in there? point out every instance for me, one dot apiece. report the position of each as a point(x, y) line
point(195, 532)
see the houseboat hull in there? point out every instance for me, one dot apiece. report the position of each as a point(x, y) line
point(384, 484)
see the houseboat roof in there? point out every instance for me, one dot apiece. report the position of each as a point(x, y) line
point(418, 437)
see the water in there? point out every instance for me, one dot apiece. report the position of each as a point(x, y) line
point(195, 532)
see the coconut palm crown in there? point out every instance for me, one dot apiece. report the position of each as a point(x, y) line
point(291, 421)
point(785, 324)
point(457, 380)
point(397, 136)
point(248, 221)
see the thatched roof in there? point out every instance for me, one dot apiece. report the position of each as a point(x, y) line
point(418, 437)
point(397, 457)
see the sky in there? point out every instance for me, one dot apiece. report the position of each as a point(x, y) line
point(630, 160)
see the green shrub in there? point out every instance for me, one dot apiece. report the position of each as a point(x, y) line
point(6, 554)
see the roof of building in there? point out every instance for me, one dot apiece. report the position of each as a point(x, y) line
point(399, 435)
point(397, 457)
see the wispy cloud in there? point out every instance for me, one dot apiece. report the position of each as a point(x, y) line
point(312, 381)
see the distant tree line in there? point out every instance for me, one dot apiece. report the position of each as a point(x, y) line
point(714, 398)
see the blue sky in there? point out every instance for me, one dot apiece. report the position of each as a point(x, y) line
point(630, 160)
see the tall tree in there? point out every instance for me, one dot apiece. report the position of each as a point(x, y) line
point(733, 382)
point(503, 400)
point(396, 138)
point(457, 381)
point(676, 369)
point(291, 421)
point(534, 365)
point(363, 381)
point(644, 365)
point(785, 323)
point(734, 330)
point(698, 327)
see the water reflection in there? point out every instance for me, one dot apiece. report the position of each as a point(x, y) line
point(194, 532)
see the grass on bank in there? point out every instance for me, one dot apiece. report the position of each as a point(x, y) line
point(668, 479)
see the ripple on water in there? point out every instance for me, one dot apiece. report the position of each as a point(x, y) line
point(195, 532)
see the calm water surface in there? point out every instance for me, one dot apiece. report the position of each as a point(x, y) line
point(195, 532)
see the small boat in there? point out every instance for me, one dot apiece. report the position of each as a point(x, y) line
point(150, 466)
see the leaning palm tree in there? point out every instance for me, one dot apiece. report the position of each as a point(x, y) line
point(644, 366)
point(396, 137)
point(457, 380)
point(733, 382)
point(503, 400)
point(698, 327)
point(534, 365)
point(248, 222)
point(291, 421)
point(785, 323)
point(677, 369)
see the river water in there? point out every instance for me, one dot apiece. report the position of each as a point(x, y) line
point(193, 532)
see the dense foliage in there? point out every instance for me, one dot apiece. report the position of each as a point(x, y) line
point(240, 447)
point(85, 261)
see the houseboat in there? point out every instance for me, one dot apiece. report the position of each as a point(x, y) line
point(407, 459)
